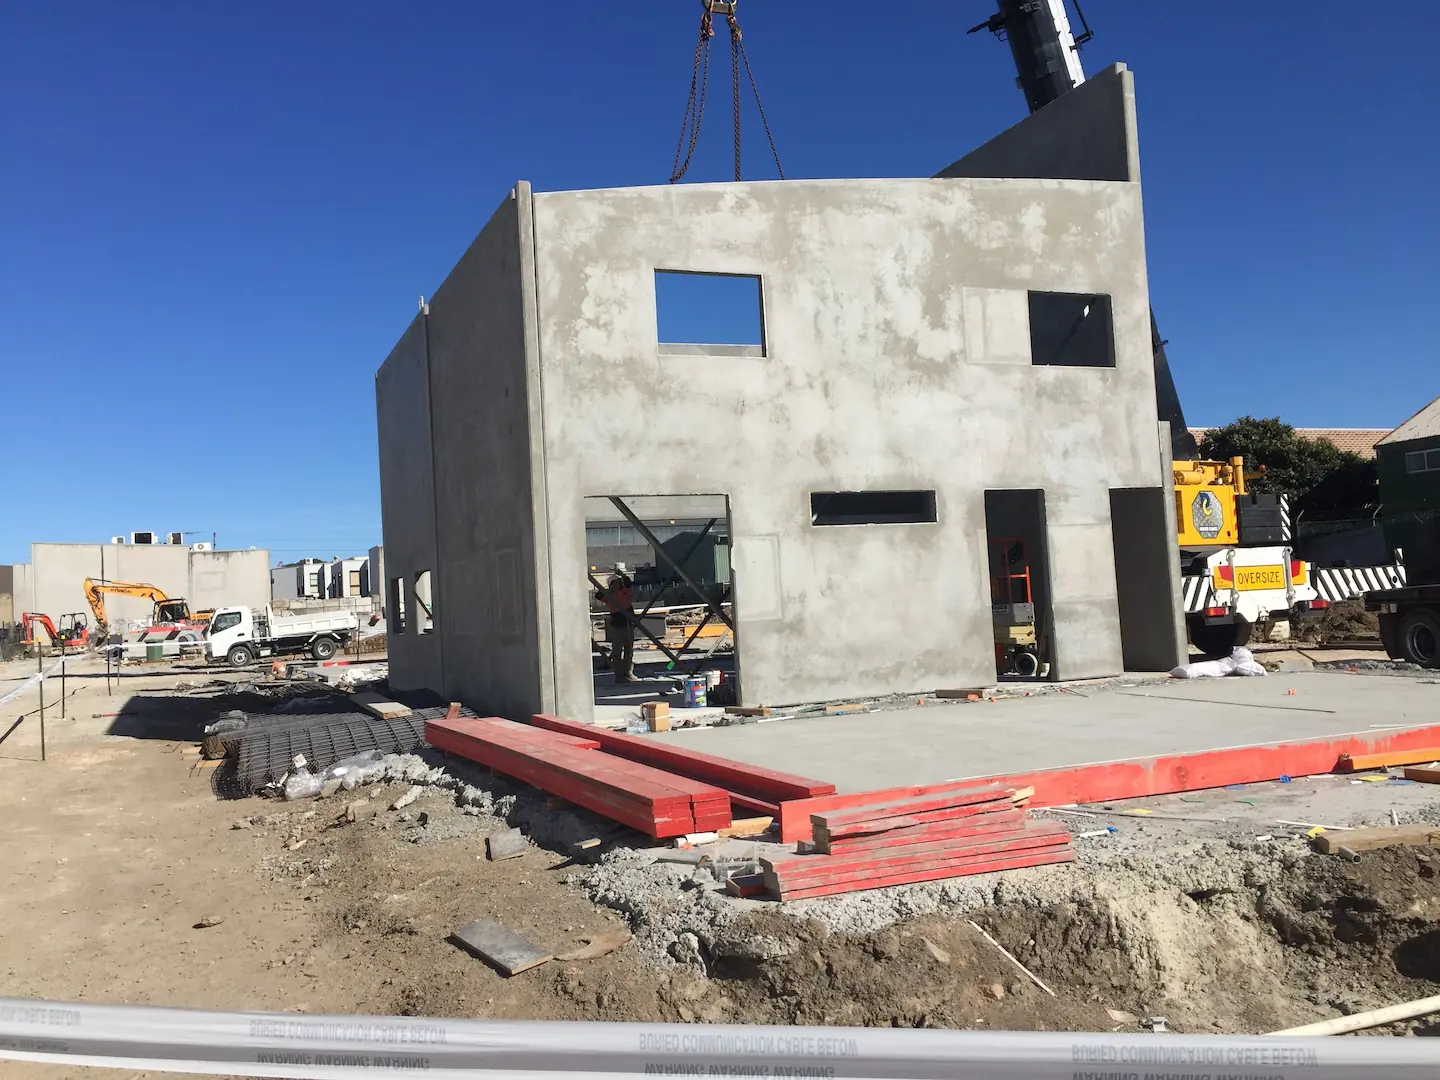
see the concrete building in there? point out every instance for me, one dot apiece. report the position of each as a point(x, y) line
point(348, 577)
point(1409, 467)
point(936, 364)
point(375, 571)
point(307, 578)
point(207, 579)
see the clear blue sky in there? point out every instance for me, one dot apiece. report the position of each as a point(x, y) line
point(215, 219)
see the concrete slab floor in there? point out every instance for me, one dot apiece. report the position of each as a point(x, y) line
point(933, 744)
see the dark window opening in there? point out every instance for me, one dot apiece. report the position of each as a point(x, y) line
point(395, 607)
point(1071, 330)
point(699, 314)
point(872, 507)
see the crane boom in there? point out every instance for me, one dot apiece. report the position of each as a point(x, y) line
point(1047, 61)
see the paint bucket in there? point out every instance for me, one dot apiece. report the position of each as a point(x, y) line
point(713, 679)
point(154, 652)
point(695, 691)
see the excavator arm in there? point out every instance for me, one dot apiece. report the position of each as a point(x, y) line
point(95, 590)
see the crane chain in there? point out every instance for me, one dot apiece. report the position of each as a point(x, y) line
point(695, 104)
point(735, 83)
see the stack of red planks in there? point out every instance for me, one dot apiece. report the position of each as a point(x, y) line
point(572, 767)
point(751, 787)
point(976, 830)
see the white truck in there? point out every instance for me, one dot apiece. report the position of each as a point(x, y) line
point(240, 635)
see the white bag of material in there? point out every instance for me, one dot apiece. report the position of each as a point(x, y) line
point(1240, 662)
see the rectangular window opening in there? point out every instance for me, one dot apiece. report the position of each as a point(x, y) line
point(1071, 330)
point(872, 507)
point(705, 314)
point(1419, 461)
point(395, 607)
point(424, 604)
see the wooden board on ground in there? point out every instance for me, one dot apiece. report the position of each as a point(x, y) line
point(748, 827)
point(507, 951)
point(1423, 774)
point(1355, 762)
point(379, 706)
point(1371, 839)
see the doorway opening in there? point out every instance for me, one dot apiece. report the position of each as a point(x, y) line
point(662, 626)
point(1019, 566)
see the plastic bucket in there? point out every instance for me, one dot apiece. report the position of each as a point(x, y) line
point(154, 652)
point(695, 687)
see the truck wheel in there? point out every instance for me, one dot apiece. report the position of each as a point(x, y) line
point(1420, 637)
point(322, 648)
point(1390, 635)
point(239, 656)
point(1216, 640)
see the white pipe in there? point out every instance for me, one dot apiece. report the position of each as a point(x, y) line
point(1391, 1014)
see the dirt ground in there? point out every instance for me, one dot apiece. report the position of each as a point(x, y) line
point(115, 849)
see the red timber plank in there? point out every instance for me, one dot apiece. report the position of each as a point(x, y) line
point(735, 776)
point(795, 813)
point(871, 828)
point(645, 798)
point(756, 806)
point(1040, 857)
point(1135, 778)
point(896, 808)
point(982, 825)
point(839, 867)
point(496, 726)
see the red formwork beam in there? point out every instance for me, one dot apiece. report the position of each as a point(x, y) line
point(735, 776)
point(1136, 778)
point(571, 766)
point(964, 868)
point(1004, 821)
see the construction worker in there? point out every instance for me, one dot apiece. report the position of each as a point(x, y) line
point(621, 629)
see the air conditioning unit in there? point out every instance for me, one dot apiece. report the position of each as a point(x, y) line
point(142, 538)
point(117, 539)
point(206, 546)
point(174, 538)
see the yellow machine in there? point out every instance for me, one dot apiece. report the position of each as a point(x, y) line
point(167, 611)
point(1207, 494)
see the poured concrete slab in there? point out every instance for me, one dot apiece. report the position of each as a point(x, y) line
point(1054, 730)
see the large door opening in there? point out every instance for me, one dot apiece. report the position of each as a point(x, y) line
point(661, 621)
point(1145, 556)
point(1019, 565)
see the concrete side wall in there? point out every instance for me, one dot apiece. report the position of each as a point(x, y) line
point(227, 578)
point(22, 593)
point(375, 566)
point(1087, 134)
point(286, 582)
point(897, 357)
point(407, 502)
point(487, 584)
point(204, 578)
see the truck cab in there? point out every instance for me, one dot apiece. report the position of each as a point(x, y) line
point(230, 627)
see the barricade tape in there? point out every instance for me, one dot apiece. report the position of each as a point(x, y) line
point(375, 1047)
point(38, 677)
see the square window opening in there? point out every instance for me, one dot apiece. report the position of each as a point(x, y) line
point(424, 604)
point(872, 507)
point(1071, 330)
point(395, 606)
point(705, 314)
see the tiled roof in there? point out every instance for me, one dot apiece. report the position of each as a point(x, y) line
point(1422, 425)
point(1355, 440)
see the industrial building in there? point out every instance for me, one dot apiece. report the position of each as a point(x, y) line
point(52, 582)
point(931, 366)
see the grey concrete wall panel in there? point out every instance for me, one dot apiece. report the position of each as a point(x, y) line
point(407, 502)
point(22, 591)
point(227, 579)
point(492, 601)
point(1179, 638)
point(1144, 553)
point(1087, 134)
point(867, 383)
point(59, 571)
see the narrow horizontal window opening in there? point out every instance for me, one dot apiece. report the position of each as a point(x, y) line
point(1071, 330)
point(872, 507)
point(704, 314)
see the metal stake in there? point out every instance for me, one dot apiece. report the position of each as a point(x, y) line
point(62, 686)
point(42, 719)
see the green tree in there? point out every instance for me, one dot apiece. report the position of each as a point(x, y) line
point(1318, 476)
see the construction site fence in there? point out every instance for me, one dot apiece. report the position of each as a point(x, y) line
point(299, 1045)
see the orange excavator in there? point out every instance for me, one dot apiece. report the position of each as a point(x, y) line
point(168, 611)
point(74, 631)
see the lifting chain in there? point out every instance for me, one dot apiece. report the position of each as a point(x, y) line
point(699, 80)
